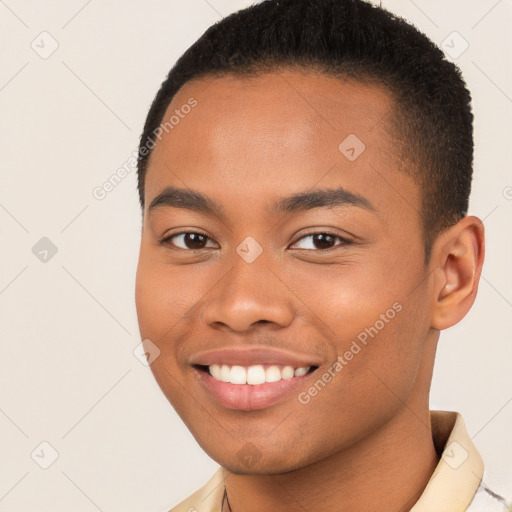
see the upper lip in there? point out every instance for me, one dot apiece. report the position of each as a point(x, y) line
point(248, 356)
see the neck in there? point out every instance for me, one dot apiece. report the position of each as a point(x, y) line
point(388, 470)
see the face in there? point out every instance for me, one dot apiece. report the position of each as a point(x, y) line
point(297, 247)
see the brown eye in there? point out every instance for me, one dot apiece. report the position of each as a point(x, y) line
point(189, 240)
point(321, 241)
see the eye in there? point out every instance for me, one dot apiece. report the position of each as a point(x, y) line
point(189, 240)
point(321, 241)
point(192, 240)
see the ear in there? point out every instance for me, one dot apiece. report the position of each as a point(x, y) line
point(457, 259)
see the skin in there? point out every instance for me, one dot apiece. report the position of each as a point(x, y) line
point(364, 442)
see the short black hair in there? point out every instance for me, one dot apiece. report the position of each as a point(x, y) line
point(432, 122)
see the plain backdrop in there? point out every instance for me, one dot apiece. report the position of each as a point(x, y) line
point(76, 80)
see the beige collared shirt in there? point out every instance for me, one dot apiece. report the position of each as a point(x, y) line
point(452, 487)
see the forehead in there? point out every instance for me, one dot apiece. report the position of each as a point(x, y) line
point(318, 91)
point(300, 108)
point(285, 129)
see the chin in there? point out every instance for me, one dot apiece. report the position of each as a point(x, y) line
point(249, 460)
point(267, 468)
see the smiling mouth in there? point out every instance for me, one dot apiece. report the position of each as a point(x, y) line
point(254, 375)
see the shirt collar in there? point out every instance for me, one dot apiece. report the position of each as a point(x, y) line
point(457, 476)
point(450, 489)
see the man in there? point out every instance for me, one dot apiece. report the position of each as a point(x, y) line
point(304, 174)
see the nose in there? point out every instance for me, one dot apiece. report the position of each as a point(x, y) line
point(250, 294)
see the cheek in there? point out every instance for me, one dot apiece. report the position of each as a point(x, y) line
point(148, 300)
point(347, 301)
point(165, 297)
point(160, 304)
point(375, 328)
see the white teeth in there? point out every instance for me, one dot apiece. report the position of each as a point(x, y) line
point(255, 374)
point(225, 372)
point(273, 374)
point(287, 372)
point(299, 372)
point(216, 371)
point(238, 375)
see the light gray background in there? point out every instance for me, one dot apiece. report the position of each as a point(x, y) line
point(68, 375)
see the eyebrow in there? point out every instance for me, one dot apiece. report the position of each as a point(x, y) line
point(319, 198)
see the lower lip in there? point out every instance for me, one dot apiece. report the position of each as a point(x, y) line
point(248, 397)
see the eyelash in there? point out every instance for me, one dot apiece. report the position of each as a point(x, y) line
point(344, 241)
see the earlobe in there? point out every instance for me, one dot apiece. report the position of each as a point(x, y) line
point(458, 256)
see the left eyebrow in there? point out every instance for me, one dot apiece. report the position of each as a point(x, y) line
point(303, 201)
point(321, 198)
